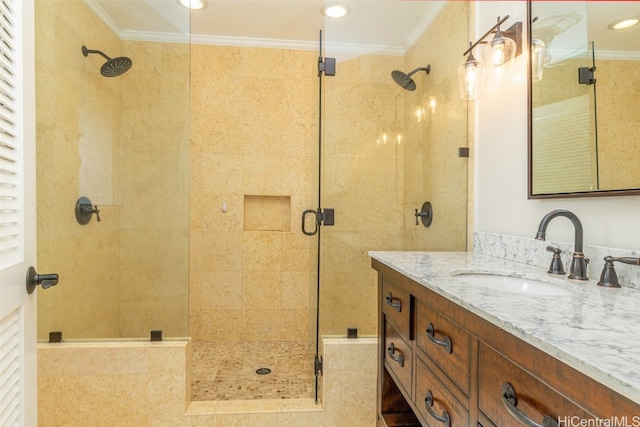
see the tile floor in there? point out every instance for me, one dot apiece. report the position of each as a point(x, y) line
point(227, 371)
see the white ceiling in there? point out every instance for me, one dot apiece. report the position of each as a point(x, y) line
point(384, 26)
point(381, 25)
point(568, 25)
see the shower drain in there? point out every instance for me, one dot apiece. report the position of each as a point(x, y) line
point(263, 371)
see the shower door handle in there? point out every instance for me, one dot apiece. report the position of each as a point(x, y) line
point(304, 220)
point(322, 217)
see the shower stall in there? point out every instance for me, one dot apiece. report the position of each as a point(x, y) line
point(210, 163)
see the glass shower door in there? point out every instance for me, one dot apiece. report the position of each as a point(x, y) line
point(387, 150)
point(313, 220)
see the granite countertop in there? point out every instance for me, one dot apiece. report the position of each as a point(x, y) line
point(595, 330)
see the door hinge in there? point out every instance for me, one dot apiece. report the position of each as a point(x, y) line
point(586, 75)
point(326, 66)
point(318, 365)
point(326, 216)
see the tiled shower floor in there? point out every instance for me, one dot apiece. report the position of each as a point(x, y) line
point(227, 371)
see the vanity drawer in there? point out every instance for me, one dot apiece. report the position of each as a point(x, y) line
point(443, 403)
point(532, 397)
point(446, 344)
point(396, 305)
point(398, 356)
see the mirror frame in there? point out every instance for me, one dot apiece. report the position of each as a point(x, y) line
point(530, 194)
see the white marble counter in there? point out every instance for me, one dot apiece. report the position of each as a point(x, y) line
point(595, 330)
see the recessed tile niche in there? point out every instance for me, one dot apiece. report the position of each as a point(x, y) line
point(267, 213)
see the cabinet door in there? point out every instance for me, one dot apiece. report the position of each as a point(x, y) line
point(396, 305)
point(435, 403)
point(398, 356)
point(445, 343)
point(508, 393)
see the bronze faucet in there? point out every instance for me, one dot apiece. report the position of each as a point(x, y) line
point(578, 269)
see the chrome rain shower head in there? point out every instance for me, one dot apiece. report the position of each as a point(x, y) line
point(114, 67)
point(405, 81)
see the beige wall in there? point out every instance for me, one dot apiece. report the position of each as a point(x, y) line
point(154, 226)
point(127, 274)
point(362, 180)
point(76, 111)
point(253, 149)
point(254, 146)
point(433, 171)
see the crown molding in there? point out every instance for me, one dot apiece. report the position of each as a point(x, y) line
point(104, 17)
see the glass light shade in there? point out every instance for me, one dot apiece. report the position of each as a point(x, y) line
point(538, 57)
point(470, 78)
point(497, 56)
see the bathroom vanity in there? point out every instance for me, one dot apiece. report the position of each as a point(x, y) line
point(458, 354)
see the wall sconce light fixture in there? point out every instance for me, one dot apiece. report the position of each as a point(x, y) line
point(497, 58)
point(504, 46)
point(470, 77)
point(538, 58)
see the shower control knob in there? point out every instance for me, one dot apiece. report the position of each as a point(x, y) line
point(84, 211)
point(45, 280)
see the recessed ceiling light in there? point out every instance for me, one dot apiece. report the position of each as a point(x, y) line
point(194, 4)
point(335, 11)
point(621, 24)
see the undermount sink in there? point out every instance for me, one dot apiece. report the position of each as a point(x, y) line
point(504, 283)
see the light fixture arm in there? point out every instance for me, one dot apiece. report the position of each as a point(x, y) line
point(481, 39)
point(470, 52)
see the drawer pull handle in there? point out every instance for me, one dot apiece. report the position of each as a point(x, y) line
point(428, 403)
point(510, 401)
point(392, 350)
point(431, 334)
point(397, 304)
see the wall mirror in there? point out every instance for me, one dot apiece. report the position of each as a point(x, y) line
point(584, 91)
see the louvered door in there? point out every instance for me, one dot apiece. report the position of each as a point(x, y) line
point(17, 215)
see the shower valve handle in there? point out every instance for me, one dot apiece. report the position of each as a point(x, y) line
point(85, 210)
point(88, 210)
point(96, 211)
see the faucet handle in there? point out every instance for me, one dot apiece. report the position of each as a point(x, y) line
point(624, 260)
point(609, 278)
point(556, 262)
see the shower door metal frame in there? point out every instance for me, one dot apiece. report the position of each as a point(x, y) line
point(323, 216)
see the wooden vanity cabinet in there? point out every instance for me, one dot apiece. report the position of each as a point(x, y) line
point(500, 379)
point(460, 370)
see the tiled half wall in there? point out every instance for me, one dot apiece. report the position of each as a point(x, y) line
point(146, 384)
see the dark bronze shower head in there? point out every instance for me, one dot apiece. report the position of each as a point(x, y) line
point(405, 81)
point(114, 66)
